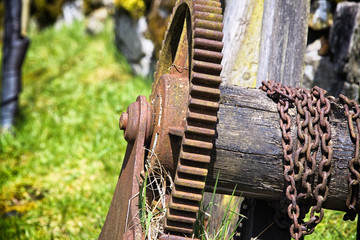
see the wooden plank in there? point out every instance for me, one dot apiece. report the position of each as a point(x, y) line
point(248, 151)
point(263, 40)
point(283, 41)
point(242, 33)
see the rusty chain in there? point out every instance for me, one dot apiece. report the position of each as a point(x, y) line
point(313, 128)
point(352, 112)
point(314, 139)
point(321, 190)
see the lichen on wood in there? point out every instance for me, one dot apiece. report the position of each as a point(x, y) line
point(242, 34)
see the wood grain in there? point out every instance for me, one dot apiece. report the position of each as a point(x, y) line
point(283, 41)
point(242, 34)
point(248, 151)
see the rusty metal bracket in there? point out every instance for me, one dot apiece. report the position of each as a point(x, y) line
point(179, 124)
point(120, 224)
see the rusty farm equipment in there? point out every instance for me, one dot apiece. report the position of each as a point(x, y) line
point(196, 127)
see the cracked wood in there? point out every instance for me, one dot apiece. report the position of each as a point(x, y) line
point(248, 151)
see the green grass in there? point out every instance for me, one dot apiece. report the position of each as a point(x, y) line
point(61, 168)
point(227, 225)
point(333, 227)
point(58, 173)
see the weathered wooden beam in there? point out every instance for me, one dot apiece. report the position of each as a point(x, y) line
point(242, 34)
point(283, 41)
point(264, 40)
point(248, 152)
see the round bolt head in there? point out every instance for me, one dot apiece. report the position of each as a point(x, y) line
point(123, 121)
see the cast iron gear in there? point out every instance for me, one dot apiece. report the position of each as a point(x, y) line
point(192, 47)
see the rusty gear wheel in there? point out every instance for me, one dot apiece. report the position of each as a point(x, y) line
point(192, 51)
point(178, 123)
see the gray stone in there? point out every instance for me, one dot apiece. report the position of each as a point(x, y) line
point(319, 71)
point(346, 19)
point(353, 65)
point(345, 46)
point(339, 73)
point(351, 90)
point(71, 11)
point(131, 40)
point(327, 78)
point(312, 61)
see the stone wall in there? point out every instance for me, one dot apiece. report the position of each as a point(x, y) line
point(139, 37)
point(339, 70)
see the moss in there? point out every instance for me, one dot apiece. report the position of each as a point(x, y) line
point(21, 200)
point(158, 23)
point(246, 64)
point(46, 11)
point(18, 209)
point(91, 5)
point(157, 28)
point(136, 8)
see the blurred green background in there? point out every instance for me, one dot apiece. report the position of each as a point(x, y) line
point(58, 173)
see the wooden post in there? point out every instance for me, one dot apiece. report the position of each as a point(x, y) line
point(263, 40)
point(242, 34)
point(25, 15)
point(283, 42)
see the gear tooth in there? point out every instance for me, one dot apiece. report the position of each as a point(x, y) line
point(189, 183)
point(211, 56)
point(201, 43)
point(197, 144)
point(163, 42)
point(207, 67)
point(187, 193)
point(205, 79)
point(208, 34)
point(208, 2)
point(195, 157)
point(181, 216)
point(201, 118)
point(208, 15)
point(207, 8)
point(206, 24)
point(192, 170)
point(174, 226)
point(204, 104)
point(169, 22)
point(208, 91)
point(200, 130)
point(184, 205)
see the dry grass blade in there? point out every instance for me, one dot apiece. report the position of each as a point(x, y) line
point(154, 196)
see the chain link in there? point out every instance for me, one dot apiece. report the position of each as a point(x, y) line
point(313, 128)
point(352, 112)
point(321, 190)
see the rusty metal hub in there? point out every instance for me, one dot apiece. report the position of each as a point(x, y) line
point(169, 100)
